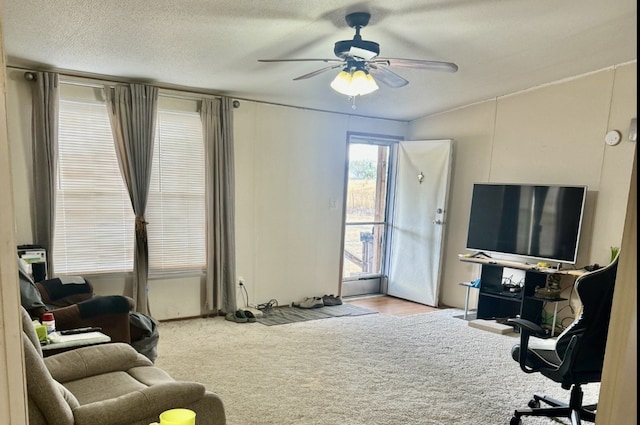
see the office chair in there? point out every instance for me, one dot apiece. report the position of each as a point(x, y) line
point(577, 356)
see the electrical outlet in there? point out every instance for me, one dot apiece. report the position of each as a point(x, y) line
point(240, 281)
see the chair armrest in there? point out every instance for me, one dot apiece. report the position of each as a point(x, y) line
point(139, 405)
point(94, 360)
point(528, 327)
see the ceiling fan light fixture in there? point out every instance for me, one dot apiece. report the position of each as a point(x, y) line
point(361, 84)
point(371, 85)
point(357, 83)
point(357, 57)
point(342, 82)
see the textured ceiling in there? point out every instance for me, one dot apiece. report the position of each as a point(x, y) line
point(500, 47)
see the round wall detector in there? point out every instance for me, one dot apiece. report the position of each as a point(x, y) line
point(612, 138)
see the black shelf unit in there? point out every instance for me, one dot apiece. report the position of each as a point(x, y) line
point(496, 303)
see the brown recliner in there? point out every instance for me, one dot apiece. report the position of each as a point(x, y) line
point(74, 305)
point(110, 313)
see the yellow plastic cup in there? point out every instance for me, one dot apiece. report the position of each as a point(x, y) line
point(178, 417)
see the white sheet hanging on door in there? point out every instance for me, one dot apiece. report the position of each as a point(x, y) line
point(418, 223)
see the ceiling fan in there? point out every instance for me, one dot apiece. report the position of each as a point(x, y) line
point(360, 62)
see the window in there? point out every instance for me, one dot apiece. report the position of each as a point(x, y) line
point(365, 222)
point(176, 203)
point(94, 229)
point(94, 220)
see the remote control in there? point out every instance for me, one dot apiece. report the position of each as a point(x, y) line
point(79, 331)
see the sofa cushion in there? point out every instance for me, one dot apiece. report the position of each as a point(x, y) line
point(59, 293)
point(103, 387)
point(67, 395)
point(94, 360)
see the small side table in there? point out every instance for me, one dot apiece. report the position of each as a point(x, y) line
point(69, 342)
point(469, 286)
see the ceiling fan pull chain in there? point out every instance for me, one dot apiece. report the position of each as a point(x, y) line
point(353, 105)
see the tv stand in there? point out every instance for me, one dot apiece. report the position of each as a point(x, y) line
point(494, 302)
point(520, 266)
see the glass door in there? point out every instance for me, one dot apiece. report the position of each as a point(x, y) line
point(365, 225)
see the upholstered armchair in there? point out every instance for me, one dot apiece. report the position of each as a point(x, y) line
point(108, 384)
point(74, 305)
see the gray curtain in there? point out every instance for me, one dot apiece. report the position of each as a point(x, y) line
point(217, 126)
point(44, 127)
point(132, 112)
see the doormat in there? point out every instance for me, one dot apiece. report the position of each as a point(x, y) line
point(284, 315)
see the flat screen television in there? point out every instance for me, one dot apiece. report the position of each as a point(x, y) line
point(537, 221)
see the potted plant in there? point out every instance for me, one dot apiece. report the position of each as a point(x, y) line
point(614, 252)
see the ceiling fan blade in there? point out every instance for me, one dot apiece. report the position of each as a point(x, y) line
point(387, 77)
point(300, 60)
point(318, 71)
point(416, 63)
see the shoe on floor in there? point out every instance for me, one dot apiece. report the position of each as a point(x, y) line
point(310, 302)
point(329, 300)
point(250, 316)
point(238, 316)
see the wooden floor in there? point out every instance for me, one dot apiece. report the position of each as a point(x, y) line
point(389, 305)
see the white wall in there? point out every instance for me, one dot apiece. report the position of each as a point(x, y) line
point(290, 166)
point(290, 172)
point(552, 134)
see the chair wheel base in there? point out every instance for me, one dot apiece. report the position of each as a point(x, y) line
point(533, 403)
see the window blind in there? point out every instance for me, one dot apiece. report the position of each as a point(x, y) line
point(94, 230)
point(94, 220)
point(176, 203)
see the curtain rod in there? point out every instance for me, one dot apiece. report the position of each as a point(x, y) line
point(93, 80)
point(112, 79)
point(236, 103)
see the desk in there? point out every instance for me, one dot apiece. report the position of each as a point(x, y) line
point(494, 301)
point(69, 342)
point(522, 266)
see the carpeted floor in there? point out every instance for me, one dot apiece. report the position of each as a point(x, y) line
point(356, 370)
